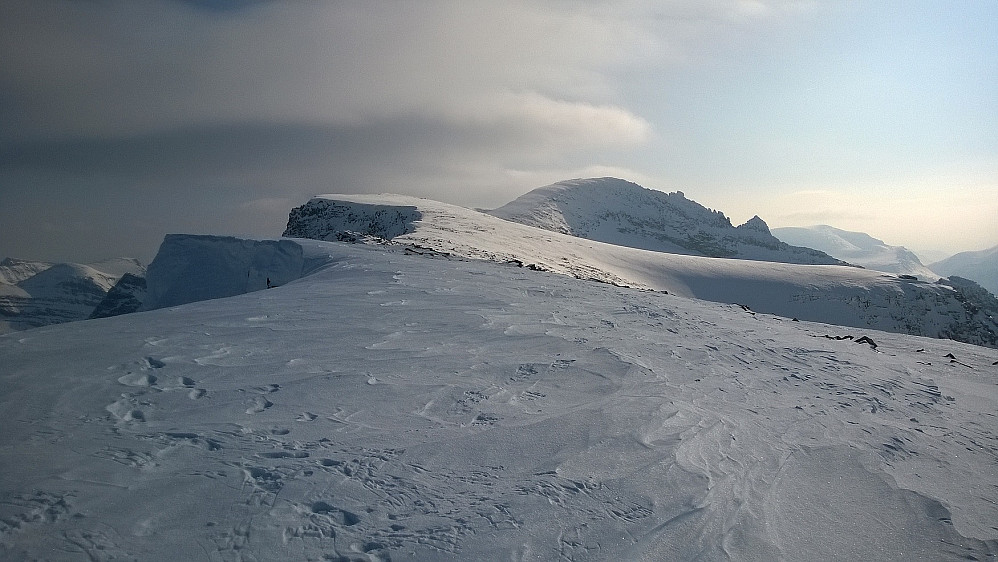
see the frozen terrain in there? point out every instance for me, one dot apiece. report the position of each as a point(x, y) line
point(981, 267)
point(36, 294)
point(834, 294)
point(620, 212)
point(388, 405)
point(857, 248)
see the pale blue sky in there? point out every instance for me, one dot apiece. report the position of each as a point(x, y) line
point(125, 120)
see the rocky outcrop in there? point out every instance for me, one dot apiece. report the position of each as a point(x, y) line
point(125, 297)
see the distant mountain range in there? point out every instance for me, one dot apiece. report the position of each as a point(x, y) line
point(603, 229)
point(981, 266)
point(857, 248)
point(623, 213)
point(833, 294)
point(34, 294)
point(396, 400)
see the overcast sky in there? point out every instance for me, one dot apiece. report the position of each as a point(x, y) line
point(121, 121)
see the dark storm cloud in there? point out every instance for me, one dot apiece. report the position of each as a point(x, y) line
point(127, 120)
point(121, 120)
point(209, 149)
point(93, 194)
point(243, 149)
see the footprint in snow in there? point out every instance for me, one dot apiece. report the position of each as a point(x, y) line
point(258, 405)
point(137, 379)
point(152, 363)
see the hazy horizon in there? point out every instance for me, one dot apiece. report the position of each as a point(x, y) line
point(124, 121)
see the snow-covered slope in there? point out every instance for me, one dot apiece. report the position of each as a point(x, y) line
point(981, 266)
point(13, 271)
point(835, 294)
point(619, 212)
point(36, 294)
point(125, 297)
point(406, 407)
point(857, 248)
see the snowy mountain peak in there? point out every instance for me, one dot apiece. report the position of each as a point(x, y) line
point(832, 294)
point(34, 294)
point(981, 266)
point(13, 271)
point(755, 223)
point(858, 248)
point(620, 212)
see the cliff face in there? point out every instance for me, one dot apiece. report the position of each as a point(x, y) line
point(125, 297)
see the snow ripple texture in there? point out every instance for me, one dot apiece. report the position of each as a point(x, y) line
point(404, 407)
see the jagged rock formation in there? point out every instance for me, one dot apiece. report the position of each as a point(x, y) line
point(322, 219)
point(982, 310)
point(620, 212)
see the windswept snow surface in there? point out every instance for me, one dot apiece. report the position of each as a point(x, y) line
point(406, 407)
point(857, 248)
point(620, 212)
point(834, 294)
point(981, 266)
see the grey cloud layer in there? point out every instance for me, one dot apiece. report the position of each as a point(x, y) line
point(209, 115)
point(129, 67)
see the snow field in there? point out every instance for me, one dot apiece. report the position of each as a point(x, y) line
point(393, 406)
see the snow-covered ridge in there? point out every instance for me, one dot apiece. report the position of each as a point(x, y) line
point(620, 212)
point(840, 295)
point(34, 294)
point(398, 407)
point(857, 248)
point(981, 266)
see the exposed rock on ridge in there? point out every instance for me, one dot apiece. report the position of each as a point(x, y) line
point(624, 213)
point(846, 296)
